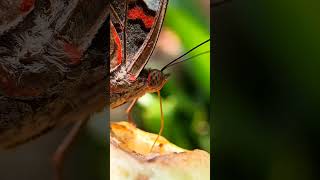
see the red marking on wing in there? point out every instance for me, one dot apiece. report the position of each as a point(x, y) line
point(137, 13)
point(11, 89)
point(26, 5)
point(9, 86)
point(5, 83)
point(118, 43)
point(132, 77)
point(149, 77)
point(73, 53)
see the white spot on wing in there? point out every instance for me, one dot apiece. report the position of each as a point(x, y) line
point(153, 4)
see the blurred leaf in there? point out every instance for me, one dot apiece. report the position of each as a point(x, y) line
point(192, 33)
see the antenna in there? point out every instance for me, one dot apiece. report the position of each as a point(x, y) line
point(175, 60)
point(184, 60)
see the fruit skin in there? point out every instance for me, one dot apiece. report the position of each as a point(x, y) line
point(130, 157)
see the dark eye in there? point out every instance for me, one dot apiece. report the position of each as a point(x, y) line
point(154, 79)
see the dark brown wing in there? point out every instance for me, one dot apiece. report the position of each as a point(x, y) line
point(144, 21)
point(52, 65)
point(50, 41)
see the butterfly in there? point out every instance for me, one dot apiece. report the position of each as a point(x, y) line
point(134, 30)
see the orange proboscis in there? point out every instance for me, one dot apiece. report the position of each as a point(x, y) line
point(162, 121)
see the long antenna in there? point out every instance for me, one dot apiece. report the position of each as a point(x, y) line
point(184, 55)
point(184, 60)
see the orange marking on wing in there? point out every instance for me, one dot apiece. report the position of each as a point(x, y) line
point(73, 53)
point(118, 43)
point(11, 89)
point(137, 13)
point(26, 5)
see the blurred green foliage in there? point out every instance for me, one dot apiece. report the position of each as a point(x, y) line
point(267, 90)
point(186, 96)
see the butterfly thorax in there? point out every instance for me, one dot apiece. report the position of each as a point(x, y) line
point(125, 90)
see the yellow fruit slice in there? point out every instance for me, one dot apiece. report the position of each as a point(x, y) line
point(131, 158)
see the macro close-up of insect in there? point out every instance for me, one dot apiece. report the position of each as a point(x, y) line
point(138, 29)
point(137, 71)
point(53, 58)
point(64, 63)
point(159, 89)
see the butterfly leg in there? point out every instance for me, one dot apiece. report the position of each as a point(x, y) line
point(59, 155)
point(130, 109)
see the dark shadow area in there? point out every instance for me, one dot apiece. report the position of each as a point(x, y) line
point(53, 73)
point(266, 90)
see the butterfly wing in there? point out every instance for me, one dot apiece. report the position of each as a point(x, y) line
point(144, 21)
point(115, 48)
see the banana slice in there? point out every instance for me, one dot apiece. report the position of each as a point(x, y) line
point(131, 157)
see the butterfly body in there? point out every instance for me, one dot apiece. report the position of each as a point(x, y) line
point(149, 81)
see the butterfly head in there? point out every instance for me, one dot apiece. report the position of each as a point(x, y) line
point(156, 79)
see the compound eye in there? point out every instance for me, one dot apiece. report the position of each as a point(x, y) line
point(155, 78)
